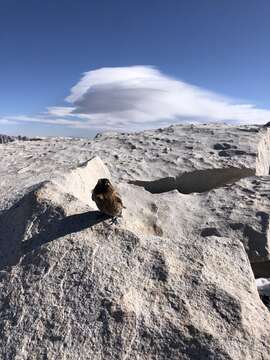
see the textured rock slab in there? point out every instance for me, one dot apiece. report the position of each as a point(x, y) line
point(148, 288)
point(105, 293)
point(263, 158)
point(171, 281)
point(147, 155)
point(241, 211)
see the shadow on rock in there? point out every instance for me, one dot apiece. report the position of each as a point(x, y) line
point(59, 228)
point(196, 181)
point(21, 232)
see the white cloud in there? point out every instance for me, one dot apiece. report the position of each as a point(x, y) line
point(130, 96)
point(140, 97)
point(4, 121)
point(59, 110)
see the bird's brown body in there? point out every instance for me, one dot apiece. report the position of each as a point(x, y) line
point(107, 199)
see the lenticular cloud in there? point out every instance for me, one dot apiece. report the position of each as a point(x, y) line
point(141, 97)
point(142, 94)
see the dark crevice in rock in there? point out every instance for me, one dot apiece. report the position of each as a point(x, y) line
point(266, 300)
point(223, 146)
point(231, 152)
point(196, 181)
point(210, 231)
point(261, 269)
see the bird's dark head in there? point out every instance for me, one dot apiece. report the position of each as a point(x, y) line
point(103, 185)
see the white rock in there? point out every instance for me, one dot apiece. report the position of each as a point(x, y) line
point(82, 180)
point(263, 158)
point(171, 281)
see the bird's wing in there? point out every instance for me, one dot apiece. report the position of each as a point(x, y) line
point(118, 199)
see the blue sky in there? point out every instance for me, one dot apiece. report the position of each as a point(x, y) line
point(46, 46)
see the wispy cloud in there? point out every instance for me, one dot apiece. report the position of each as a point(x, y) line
point(4, 121)
point(60, 110)
point(135, 97)
point(44, 119)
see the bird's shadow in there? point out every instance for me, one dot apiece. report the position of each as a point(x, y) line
point(62, 227)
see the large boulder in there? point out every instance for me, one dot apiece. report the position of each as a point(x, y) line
point(74, 286)
point(236, 210)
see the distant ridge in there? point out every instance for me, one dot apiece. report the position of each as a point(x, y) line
point(6, 138)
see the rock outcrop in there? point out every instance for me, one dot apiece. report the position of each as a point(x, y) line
point(171, 281)
point(263, 158)
point(74, 286)
point(5, 139)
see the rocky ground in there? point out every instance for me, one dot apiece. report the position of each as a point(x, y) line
point(173, 280)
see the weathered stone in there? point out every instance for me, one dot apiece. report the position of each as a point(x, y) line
point(263, 158)
point(171, 281)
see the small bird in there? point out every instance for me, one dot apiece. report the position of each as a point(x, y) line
point(107, 199)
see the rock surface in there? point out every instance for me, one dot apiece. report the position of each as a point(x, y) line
point(171, 281)
point(149, 155)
